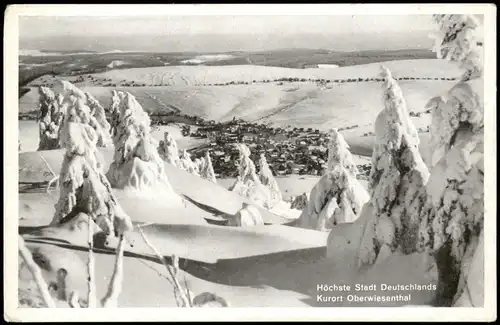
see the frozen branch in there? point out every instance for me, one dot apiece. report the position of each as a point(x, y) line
point(73, 300)
point(173, 274)
point(91, 298)
point(116, 283)
point(37, 273)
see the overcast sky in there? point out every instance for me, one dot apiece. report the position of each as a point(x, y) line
point(37, 27)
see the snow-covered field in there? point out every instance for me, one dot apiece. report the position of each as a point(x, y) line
point(295, 104)
point(204, 75)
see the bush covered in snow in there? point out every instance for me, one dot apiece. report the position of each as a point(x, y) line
point(262, 189)
point(169, 152)
point(168, 149)
point(248, 183)
point(186, 163)
point(267, 179)
point(206, 168)
point(338, 196)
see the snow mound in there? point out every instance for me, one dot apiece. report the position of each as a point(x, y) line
point(285, 210)
point(73, 230)
point(247, 216)
point(261, 189)
point(344, 241)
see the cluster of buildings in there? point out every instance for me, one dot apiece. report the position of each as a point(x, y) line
point(288, 151)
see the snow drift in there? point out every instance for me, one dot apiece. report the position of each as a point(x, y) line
point(248, 215)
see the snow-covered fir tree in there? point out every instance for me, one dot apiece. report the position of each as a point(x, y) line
point(459, 38)
point(338, 196)
point(50, 119)
point(168, 150)
point(397, 180)
point(117, 97)
point(97, 116)
point(454, 222)
point(186, 163)
point(83, 186)
point(199, 165)
point(86, 193)
point(207, 171)
point(99, 113)
point(338, 153)
point(136, 165)
point(267, 179)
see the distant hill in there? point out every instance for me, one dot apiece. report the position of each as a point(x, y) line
point(234, 42)
point(33, 64)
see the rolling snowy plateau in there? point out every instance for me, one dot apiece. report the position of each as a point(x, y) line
point(198, 185)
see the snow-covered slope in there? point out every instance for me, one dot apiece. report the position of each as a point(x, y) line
point(32, 169)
